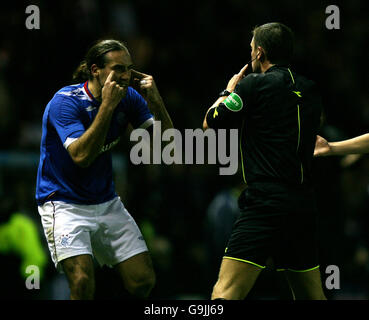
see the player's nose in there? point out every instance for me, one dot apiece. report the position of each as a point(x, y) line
point(125, 76)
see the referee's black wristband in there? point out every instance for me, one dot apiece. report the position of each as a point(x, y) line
point(224, 93)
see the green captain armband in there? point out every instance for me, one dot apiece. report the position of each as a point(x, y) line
point(233, 102)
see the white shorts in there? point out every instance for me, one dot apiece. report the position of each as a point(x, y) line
point(106, 231)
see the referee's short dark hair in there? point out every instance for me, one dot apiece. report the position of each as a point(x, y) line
point(277, 41)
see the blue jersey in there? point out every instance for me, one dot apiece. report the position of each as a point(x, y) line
point(67, 116)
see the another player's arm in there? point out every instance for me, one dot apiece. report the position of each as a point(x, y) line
point(87, 147)
point(357, 145)
point(230, 87)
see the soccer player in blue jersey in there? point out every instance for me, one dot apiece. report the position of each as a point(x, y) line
point(81, 213)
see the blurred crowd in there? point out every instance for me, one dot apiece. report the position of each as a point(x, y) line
point(192, 48)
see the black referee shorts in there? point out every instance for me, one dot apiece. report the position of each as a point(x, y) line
point(278, 222)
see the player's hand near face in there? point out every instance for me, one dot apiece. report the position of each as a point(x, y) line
point(87, 147)
point(112, 92)
point(146, 86)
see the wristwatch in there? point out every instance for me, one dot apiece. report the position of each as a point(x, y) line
point(224, 93)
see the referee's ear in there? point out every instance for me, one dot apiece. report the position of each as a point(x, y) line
point(261, 54)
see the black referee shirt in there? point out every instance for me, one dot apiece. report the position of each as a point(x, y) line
point(278, 115)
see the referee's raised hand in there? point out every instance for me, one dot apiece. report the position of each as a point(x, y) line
point(236, 79)
point(112, 92)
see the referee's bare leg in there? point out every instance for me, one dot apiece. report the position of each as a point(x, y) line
point(306, 285)
point(236, 279)
point(138, 274)
point(81, 278)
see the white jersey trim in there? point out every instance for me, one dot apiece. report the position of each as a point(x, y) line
point(68, 142)
point(80, 93)
point(147, 123)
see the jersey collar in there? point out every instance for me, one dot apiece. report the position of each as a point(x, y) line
point(88, 92)
point(277, 66)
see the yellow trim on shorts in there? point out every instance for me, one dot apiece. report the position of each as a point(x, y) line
point(305, 270)
point(247, 261)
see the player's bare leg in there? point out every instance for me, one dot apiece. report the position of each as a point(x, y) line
point(236, 278)
point(80, 274)
point(138, 274)
point(306, 285)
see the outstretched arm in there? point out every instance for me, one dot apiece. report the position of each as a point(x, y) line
point(357, 145)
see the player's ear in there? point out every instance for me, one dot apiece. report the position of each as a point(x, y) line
point(94, 70)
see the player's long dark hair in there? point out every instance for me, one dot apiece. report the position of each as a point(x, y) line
point(96, 55)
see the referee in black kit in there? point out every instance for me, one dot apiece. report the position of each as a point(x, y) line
point(278, 113)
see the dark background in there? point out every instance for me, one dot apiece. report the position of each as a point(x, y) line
point(192, 48)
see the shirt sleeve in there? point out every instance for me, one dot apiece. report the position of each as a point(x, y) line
point(230, 112)
point(139, 113)
point(65, 117)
